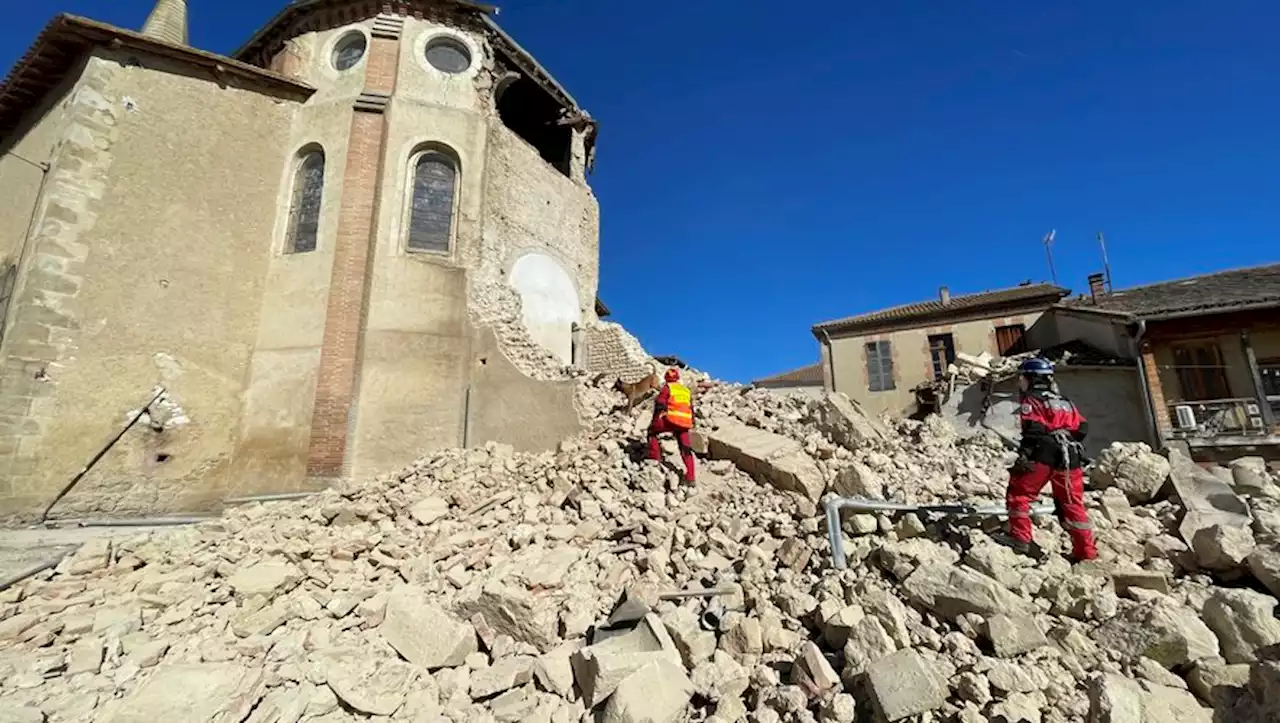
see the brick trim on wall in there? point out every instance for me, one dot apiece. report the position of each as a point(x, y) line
point(1156, 391)
point(348, 289)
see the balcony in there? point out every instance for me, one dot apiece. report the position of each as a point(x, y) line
point(1238, 421)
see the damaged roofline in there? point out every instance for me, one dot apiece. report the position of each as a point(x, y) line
point(297, 5)
point(843, 329)
point(537, 67)
point(1171, 315)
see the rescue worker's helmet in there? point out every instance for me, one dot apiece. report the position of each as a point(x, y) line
point(673, 375)
point(1036, 367)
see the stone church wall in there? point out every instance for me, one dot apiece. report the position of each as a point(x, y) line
point(129, 288)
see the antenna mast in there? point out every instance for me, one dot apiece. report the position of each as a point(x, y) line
point(1106, 265)
point(1048, 251)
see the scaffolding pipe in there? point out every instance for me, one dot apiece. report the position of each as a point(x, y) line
point(32, 571)
point(282, 496)
point(101, 453)
point(959, 509)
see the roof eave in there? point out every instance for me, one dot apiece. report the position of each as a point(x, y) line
point(844, 327)
point(1209, 311)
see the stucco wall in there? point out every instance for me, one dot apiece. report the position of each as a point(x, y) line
point(1101, 332)
point(509, 407)
point(1109, 397)
point(912, 362)
point(151, 288)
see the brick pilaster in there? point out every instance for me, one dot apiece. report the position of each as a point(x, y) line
point(336, 382)
point(1155, 389)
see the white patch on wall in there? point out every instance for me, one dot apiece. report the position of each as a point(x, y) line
point(549, 303)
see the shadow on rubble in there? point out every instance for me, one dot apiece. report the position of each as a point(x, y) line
point(1259, 700)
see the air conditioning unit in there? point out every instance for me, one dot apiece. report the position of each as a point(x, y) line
point(1186, 417)
point(1251, 409)
point(1256, 422)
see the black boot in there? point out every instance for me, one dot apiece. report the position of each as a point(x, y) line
point(1029, 549)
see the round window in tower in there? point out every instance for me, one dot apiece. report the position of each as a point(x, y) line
point(448, 55)
point(349, 50)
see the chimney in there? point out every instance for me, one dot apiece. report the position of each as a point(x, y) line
point(1097, 286)
point(944, 295)
point(167, 22)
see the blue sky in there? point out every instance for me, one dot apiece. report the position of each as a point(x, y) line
point(764, 166)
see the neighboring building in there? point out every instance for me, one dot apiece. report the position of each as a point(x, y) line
point(310, 243)
point(878, 358)
point(806, 380)
point(1210, 352)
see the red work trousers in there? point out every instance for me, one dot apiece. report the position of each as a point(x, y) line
point(662, 426)
point(1068, 491)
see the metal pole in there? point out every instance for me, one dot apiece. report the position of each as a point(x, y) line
point(51, 562)
point(1048, 243)
point(1260, 391)
point(76, 480)
point(466, 420)
point(1106, 265)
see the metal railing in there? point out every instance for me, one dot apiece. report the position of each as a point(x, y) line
point(1218, 418)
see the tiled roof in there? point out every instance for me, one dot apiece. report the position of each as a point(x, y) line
point(934, 308)
point(1258, 286)
point(59, 47)
point(811, 374)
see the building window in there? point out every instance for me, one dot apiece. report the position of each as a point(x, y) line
point(448, 55)
point(879, 366)
point(1011, 340)
point(349, 50)
point(304, 209)
point(942, 350)
point(1269, 370)
point(435, 182)
point(1201, 372)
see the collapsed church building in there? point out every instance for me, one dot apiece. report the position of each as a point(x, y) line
point(366, 234)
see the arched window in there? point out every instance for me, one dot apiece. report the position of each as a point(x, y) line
point(304, 210)
point(435, 181)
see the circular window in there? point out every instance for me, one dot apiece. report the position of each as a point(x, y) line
point(448, 55)
point(349, 51)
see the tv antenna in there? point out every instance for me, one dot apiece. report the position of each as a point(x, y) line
point(1106, 265)
point(1048, 251)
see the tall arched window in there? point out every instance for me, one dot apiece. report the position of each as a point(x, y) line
point(304, 210)
point(435, 181)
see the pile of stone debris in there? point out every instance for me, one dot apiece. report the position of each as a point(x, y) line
point(587, 584)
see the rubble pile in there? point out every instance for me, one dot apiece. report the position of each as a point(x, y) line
point(589, 584)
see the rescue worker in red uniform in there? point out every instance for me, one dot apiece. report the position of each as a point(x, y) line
point(1050, 452)
point(673, 413)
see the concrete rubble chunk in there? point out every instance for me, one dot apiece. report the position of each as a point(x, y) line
point(771, 458)
point(1223, 547)
point(1244, 621)
point(1174, 705)
point(843, 420)
point(512, 612)
point(950, 592)
point(92, 556)
point(600, 668)
point(429, 509)
point(1133, 468)
point(502, 676)
point(1264, 564)
point(15, 713)
point(195, 692)
point(425, 634)
point(267, 578)
point(859, 480)
point(1013, 635)
point(1167, 633)
point(1207, 500)
point(554, 670)
point(867, 643)
point(1213, 681)
point(1114, 699)
point(904, 684)
point(815, 670)
point(1249, 476)
point(372, 687)
point(657, 692)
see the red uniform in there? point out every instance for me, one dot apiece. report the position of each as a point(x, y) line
point(1052, 429)
point(673, 413)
